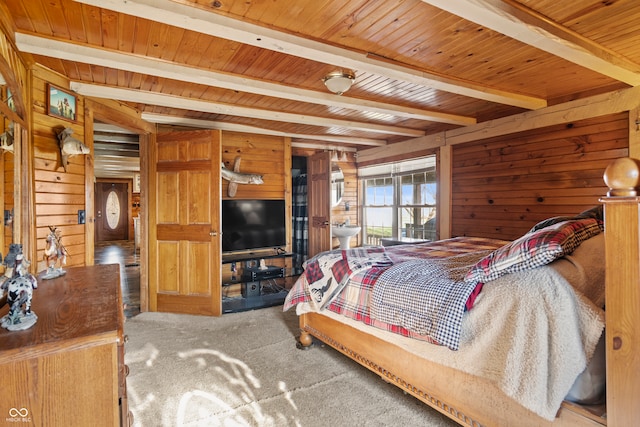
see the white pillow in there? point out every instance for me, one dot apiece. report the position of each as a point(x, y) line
point(584, 268)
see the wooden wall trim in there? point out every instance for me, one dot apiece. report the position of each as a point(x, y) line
point(410, 153)
point(89, 203)
point(445, 176)
point(26, 207)
point(288, 191)
point(146, 141)
point(16, 76)
point(634, 133)
point(118, 113)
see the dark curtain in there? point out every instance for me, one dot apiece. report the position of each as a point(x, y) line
point(300, 221)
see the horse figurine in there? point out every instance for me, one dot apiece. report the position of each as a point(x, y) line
point(55, 255)
point(18, 285)
point(6, 139)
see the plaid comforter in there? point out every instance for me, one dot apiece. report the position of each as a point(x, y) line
point(354, 299)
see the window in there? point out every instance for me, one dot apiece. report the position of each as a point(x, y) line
point(399, 200)
point(112, 210)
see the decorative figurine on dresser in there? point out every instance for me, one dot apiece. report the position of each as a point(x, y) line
point(55, 255)
point(18, 284)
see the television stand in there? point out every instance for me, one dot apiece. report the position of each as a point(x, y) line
point(246, 286)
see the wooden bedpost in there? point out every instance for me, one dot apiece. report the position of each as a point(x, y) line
point(305, 341)
point(622, 246)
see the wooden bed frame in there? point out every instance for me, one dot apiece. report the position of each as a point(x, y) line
point(472, 401)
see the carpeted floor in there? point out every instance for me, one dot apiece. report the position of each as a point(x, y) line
point(243, 369)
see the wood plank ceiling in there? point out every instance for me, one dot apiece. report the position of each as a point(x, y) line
point(421, 66)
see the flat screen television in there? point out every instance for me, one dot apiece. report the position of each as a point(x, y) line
point(253, 224)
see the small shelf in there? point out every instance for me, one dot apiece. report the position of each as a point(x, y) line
point(247, 256)
point(241, 279)
point(236, 304)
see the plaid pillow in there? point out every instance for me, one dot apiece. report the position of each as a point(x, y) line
point(534, 249)
point(596, 212)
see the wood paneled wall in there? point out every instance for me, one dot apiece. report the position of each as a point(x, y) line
point(263, 155)
point(58, 194)
point(502, 186)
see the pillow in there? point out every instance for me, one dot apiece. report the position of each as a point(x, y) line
point(584, 269)
point(534, 249)
point(595, 212)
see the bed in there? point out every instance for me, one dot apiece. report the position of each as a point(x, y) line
point(525, 344)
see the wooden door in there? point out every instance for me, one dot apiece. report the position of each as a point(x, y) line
point(112, 211)
point(184, 245)
point(319, 202)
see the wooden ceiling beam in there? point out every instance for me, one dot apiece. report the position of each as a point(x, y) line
point(211, 124)
point(170, 101)
point(215, 25)
point(520, 23)
point(155, 67)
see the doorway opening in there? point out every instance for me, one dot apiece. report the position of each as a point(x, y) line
point(117, 206)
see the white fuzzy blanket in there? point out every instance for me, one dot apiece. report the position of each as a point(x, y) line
point(533, 342)
point(529, 333)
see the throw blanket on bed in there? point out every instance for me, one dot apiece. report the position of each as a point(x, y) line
point(328, 272)
point(354, 299)
point(427, 296)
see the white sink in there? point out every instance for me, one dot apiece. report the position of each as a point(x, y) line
point(344, 234)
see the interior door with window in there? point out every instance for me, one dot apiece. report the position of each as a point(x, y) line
point(112, 212)
point(184, 235)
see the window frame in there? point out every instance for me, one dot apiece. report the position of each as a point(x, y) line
point(396, 172)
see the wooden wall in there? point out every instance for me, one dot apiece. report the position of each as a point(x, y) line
point(58, 194)
point(269, 156)
point(502, 186)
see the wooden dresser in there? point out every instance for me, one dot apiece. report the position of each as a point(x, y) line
point(68, 369)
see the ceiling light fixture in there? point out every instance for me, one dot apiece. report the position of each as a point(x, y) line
point(340, 81)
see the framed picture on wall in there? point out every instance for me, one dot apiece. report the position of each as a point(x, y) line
point(61, 103)
point(136, 182)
